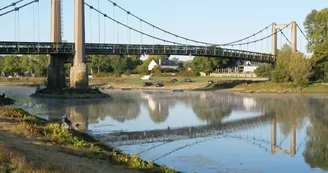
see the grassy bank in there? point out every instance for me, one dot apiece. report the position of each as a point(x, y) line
point(269, 87)
point(22, 81)
point(40, 138)
point(135, 82)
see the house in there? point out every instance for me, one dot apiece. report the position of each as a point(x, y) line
point(162, 64)
point(250, 67)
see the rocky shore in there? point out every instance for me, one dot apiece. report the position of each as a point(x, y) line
point(70, 93)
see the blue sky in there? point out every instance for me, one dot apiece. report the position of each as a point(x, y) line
point(206, 20)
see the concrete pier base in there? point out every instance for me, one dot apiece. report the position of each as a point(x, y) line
point(79, 76)
point(56, 72)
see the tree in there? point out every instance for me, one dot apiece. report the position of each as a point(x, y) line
point(316, 28)
point(187, 64)
point(156, 70)
point(12, 65)
point(317, 32)
point(207, 64)
point(281, 73)
point(100, 63)
point(119, 64)
point(264, 71)
point(300, 69)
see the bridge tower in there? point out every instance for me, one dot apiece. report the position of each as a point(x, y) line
point(79, 70)
point(56, 70)
point(275, 27)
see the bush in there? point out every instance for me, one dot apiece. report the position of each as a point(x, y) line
point(102, 74)
point(169, 70)
point(187, 74)
point(264, 71)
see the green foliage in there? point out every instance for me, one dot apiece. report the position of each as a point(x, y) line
point(316, 28)
point(317, 31)
point(11, 65)
point(300, 69)
point(264, 71)
point(281, 73)
point(99, 63)
point(141, 69)
point(156, 70)
point(208, 64)
point(292, 67)
point(170, 70)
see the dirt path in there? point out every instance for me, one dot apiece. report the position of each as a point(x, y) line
point(38, 151)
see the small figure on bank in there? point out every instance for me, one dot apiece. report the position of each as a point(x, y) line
point(66, 122)
point(3, 95)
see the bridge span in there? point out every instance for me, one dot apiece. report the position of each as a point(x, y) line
point(140, 137)
point(52, 48)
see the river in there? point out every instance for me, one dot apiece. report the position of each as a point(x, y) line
point(204, 132)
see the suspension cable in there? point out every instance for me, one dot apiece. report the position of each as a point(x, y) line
point(34, 22)
point(18, 26)
point(104, 30)
point(120, 23)
point(262, 37)
point(285, 36)
point(98, 22)
point(299, 28)
point(185, 38)
point(11, 5)
point(90, 24)
point(38, 4)
point(18, 8)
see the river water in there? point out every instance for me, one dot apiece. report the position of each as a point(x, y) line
point(203, 132)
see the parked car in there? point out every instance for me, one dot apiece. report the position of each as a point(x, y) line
point(159, 84)
point(147, 84)
point(174, 80)
point(210, 82)
point(187, 80)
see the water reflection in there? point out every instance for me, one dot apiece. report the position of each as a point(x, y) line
point(220, 130)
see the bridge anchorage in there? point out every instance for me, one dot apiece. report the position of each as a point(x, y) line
point(62, 52)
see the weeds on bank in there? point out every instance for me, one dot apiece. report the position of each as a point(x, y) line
point(12, 162)
point(61, 136)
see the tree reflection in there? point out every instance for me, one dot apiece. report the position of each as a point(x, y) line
point(211, 109)
point(119, 109)
point(289, 110)
point(316, 150)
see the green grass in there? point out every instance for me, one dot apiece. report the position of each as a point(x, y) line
point(283, 87)
point(22, 81)
point(137, 82)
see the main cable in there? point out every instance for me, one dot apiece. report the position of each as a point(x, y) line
point(285, 36)
point(120, 23)
point(11, 5)
point(185, 38)
point(18, 8)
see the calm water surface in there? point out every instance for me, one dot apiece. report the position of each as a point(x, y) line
point(201, 131)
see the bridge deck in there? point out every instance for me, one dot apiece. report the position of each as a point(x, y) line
point(132, 49)
point(129, 138)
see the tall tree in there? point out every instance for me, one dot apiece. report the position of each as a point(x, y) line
point(281, 73)
point(300, 69)
point(316, 28)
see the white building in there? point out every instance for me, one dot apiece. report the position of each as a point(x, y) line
point(250, 67)
point(162, 64)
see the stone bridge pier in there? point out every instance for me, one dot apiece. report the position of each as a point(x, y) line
point(56, 72)
point(79, 70)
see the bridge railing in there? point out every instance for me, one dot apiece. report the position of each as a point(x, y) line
point(93, 48)
point(133, 49)
point(36, 48)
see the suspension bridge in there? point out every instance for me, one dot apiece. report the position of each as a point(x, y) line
point(260, 131)
point(61, 51)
